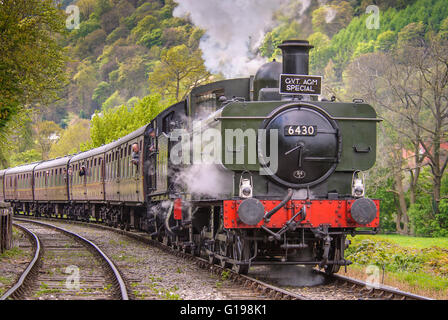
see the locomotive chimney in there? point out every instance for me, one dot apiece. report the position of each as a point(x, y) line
point(296, 56)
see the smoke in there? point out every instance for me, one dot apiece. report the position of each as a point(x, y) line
point(234, 29)
point(204, 180)
point(295, 276)
point(203, 174)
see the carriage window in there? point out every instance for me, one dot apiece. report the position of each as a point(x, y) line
point(166, 124)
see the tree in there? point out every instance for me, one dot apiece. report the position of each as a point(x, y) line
point(46, 133)
point(410, 88)
point(31, 60)
point(431, 65)
point(111, 124)
point(101, 93)
point(329, 19)
point(77, 133)
point(412, 35)
point(319, 54)
point(85, 81)
point(178, 72)
point(385, 41)
point(86, 8)
point(132, 75)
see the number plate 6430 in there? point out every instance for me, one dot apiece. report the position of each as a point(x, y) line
point(301, 130)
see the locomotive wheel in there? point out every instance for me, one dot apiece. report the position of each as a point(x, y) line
point(223, 250)
point(333, 268)
point(241, 252)
point(211, 258)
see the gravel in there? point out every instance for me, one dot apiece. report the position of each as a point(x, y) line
point(153, 273)
point(13, 262)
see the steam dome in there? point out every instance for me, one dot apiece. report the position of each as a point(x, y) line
point(267, 77)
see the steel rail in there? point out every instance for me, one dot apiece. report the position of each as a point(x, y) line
point(379, 289)
point(19, 287)
point(117, 278)
point(376, 292)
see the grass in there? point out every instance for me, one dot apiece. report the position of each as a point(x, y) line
point(44, 290)
point(12, 253)
point(415, 242)
point(160, 292)
point(409, 241)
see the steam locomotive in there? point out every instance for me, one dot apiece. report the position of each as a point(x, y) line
point(286, 185)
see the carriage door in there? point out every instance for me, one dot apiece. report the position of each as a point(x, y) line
point(136, 171)
point(117, 163)
point(46, 181)
point(88, 167)
point(15, 196)
point(151, 152)
point(70, 182)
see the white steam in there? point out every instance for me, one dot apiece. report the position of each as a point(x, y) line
point(204, 180)
point(289, 275)
point(234, 29)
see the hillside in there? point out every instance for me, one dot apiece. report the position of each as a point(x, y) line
point(119, 42)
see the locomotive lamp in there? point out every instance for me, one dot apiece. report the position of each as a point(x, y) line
point(358, 189)
point(246, 186)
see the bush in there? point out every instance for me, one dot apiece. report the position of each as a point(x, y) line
point(391, 257)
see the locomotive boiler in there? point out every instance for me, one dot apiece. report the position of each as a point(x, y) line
point(285, 185)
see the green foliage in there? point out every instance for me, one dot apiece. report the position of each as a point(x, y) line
point(372, 251)
point(113, 101)
point(320, 53)
point(344, 44)
point(412, 34)
point(179, 70)
point(275, 37)
point(31, 60)
point(152, 38)
point(28, 156)
point(386, 41)
point(46, 134)
point(424, 220)
point(85, 28)
point(71, 139)
point(388, 202)
point(102, 92)
point(363, 48)
point(329, 19)
point(115, 123)
point(115, 48)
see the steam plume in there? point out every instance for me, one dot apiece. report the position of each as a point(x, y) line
point(234, 29)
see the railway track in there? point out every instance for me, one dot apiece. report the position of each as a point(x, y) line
point(65, 266)
point(340, 287)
